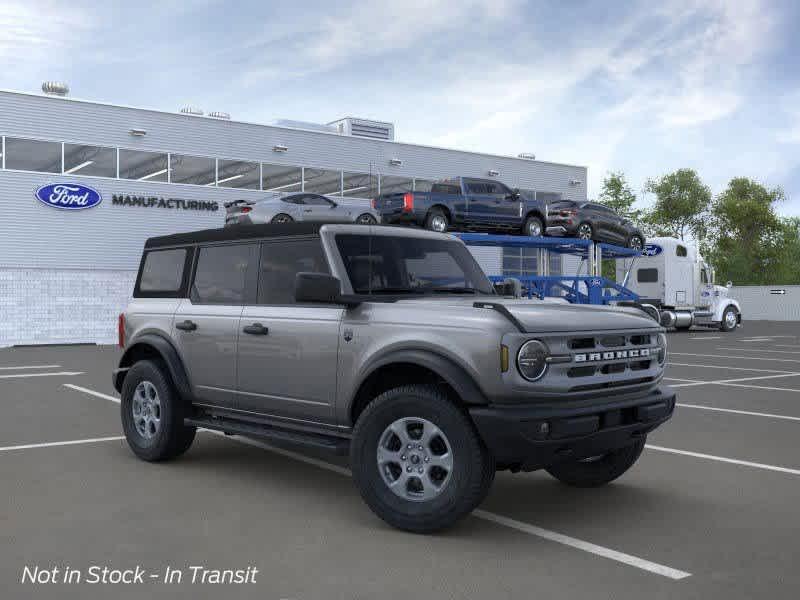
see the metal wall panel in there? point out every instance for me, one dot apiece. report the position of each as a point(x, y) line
point(768, 303)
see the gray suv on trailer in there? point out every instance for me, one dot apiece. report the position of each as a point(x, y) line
point(390, 344)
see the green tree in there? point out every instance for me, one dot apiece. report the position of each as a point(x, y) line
point(749, 243)
point(618, 195)
point(681, 205)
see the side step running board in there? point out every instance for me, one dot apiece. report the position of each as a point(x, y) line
point(234, 427)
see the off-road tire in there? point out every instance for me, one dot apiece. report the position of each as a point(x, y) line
point(173, 438)
point(433, 214)
point(533, 220)
point(473, 467)
point(603, 470)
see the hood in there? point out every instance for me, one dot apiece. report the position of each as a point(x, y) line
point(536, 316)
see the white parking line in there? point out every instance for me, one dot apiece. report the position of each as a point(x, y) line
point(791, 360)
point(726, 367)
point(786, 345)
point(30, 367)
point(60, 373)
point(706, 337)
point(739, 412)
point(761, 387)
point(693, 382)
point(66, 443)
point(547, 534)
point(733, 461)
point(92, 392)
point(553, 536)
point(765, 350)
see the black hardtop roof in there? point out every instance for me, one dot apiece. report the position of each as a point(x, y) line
point(233, 233)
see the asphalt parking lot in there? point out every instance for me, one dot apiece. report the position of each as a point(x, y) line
point(709, 511)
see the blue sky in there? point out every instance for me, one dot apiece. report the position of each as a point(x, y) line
point(641, 87)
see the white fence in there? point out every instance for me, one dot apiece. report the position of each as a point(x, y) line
point(768, 302)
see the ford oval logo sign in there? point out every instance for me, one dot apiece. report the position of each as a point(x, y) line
point(652, 250)
point(68, 196)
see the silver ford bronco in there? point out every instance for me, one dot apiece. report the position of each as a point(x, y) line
point(390, 344)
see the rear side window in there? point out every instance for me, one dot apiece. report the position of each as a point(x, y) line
point(446, 188)
point(221, 274)
point(162, 272)
point(647, 275)
point(281, 262)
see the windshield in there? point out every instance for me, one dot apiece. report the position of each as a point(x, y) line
point(383, 264)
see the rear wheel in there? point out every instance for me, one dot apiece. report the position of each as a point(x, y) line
point(584, 232)
point(153, 412)
point(730, 319)
point(598, 470)
point(533, 227)
point(418, 461)
point(635, 242)
point(437, 220)
point(282, 218)
point(366, 219)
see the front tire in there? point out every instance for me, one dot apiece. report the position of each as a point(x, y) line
point(584, 231)
point(599, 470)
point(533, 227)
point(366, 219)
point(635, 242)
point(153, 412)
point(730, 319)
point(418, 461)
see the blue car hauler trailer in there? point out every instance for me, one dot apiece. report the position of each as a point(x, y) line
point(591, 288)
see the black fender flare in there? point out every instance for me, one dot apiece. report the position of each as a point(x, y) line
point(453, 374)
point(166, 351)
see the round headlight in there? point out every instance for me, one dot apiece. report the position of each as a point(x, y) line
point(662, 348)
point(532, 360)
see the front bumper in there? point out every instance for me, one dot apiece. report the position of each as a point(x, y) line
point(531, 437)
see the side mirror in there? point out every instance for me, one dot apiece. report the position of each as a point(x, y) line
point(511, 286)
point(317, 287)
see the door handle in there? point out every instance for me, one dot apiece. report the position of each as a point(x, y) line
point(187, 325)
point(256, 329)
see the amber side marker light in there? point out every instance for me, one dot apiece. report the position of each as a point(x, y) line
point(503, 358)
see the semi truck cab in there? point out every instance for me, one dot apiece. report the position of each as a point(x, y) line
point(672, 276)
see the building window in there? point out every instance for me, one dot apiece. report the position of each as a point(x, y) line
point(519, 262)
point(90, 160)
point(195, 170)
point(280, 178)
point(360, 185)
point(33, 155)
point(238, 174)
point(323, 181)
point(396, 185)
point(144, 166)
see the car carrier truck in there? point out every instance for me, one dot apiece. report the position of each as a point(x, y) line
point(672, 276)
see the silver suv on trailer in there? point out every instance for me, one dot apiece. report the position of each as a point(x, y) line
point(390, 344)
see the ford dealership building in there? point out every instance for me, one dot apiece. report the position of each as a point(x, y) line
point(83, 184)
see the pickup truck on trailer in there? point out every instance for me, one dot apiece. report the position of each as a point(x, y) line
point(466, 203)
point(389, 343)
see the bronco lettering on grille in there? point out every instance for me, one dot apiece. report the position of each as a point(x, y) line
point(613, 355)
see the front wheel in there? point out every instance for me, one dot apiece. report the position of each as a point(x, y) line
point(533, 227)
point(730, 319)
point(418, 461)
point(282, 218)
point(598, 470)
point(153, 412)
point(584, 232)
